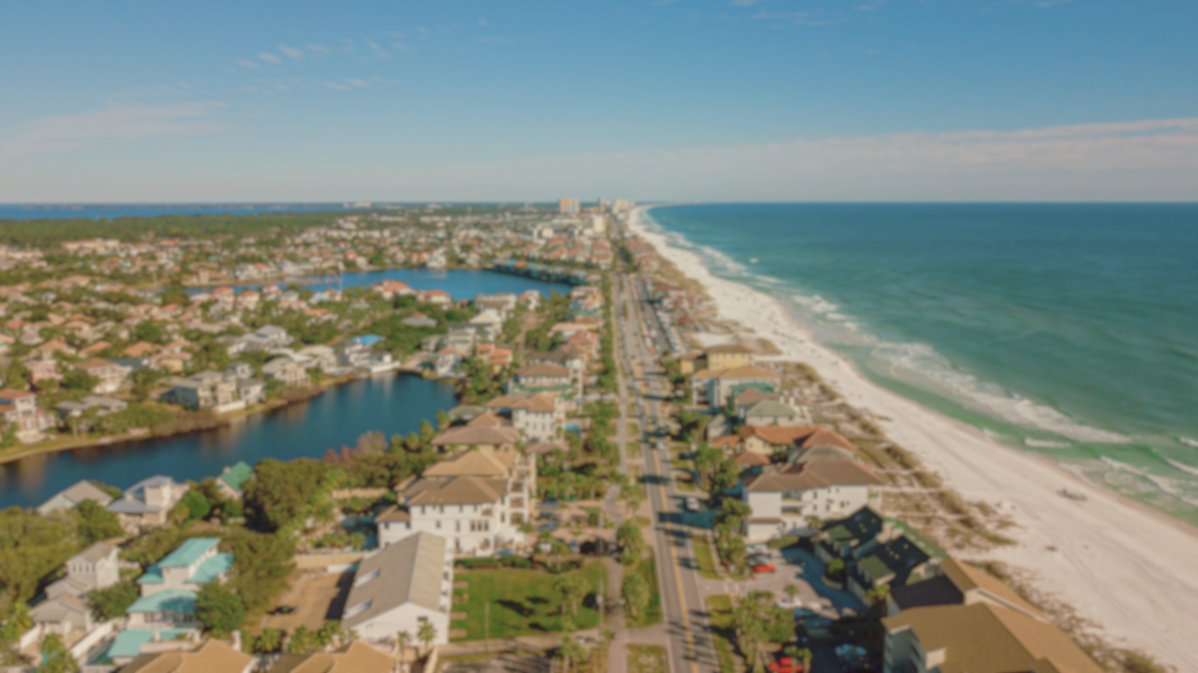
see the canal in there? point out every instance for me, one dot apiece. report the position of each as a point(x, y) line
point(392, 404)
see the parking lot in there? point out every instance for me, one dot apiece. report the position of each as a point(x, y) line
point(316, 595)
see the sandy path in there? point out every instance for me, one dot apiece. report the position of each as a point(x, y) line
point(1130, 570)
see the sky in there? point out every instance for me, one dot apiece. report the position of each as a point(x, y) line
point(732, 100)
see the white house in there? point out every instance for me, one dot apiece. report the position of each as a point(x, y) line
point(827, 489)
point(400, 587)
point(478, 501)
point(148, 501)
point(169, 587)
point(537, 417)
point(70, 497)
point(97, 567)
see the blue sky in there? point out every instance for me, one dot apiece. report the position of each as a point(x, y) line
point(691, 99)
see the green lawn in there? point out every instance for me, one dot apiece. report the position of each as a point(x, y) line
point(648, 570)
point(719, 611)
point(647, 659)
point(522, 602)
point(705, 557)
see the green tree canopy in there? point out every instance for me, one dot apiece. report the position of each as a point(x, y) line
point(94, 523)
point(218, 609)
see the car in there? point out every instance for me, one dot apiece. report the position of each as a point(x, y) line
point(693, 504)
point(789, 603)
point(764, 568)
point(284, 610)
point(755, 559)
point(548, 526)
point(757, 549)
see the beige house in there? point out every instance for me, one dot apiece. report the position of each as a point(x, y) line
point(729, 356)
point(211, 657)
point(716, 387)
point(148, 502)
point(355, 657)
point(400, 587)
point(111, 376)
point(486, 438)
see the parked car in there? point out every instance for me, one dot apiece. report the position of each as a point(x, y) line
point(548, 526)
point(693, 504)
point(284, 610)
point(789, 603)
point(786, 665)
point(756, 549)
point(764, 568)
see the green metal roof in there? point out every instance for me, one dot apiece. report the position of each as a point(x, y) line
point(212, 569)
point(237, 475)
point(172, 600)
point(875, 569)
point(188, 552)
point(128, 643)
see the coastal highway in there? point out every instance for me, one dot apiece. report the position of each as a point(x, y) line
point(688, 631)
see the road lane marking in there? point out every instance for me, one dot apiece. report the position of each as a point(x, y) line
point(686, 622)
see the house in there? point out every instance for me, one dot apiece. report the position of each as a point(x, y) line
point(19, 409)
point(400, 587)
point(449, 359)
point(477, 500)
point(546, 378)
point(563, 357)
point(355, 657)
point(716, 387)
point(96, 567)
point(43, 370)
point(148, 501)
point(168, 588)
point(211, 657)
point(71, 496)
point(906, 557)
point(62, 614)
point(323, 358)
point(110, 375)
point(775, 412)
point(418, 320)
point(728, 356)
point(782, 503)
point(772, 439)
point(207, 390)
point(489, 322)
point(286, 370)
point(537, 417)
point(484, 438)
point(103, 405)
point(233, 478)
point(978, 638)
point(959, 583)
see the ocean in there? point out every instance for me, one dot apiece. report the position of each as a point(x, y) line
point(1067, 330)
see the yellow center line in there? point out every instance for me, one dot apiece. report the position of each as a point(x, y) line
point(686, 622)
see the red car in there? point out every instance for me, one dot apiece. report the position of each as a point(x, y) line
point(764, 568)
point(786, 665)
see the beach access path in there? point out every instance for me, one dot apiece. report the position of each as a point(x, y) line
point(1128, 569)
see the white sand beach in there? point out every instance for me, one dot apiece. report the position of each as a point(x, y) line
point(1128, 569)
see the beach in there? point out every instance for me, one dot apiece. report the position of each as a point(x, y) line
point(1121, 566)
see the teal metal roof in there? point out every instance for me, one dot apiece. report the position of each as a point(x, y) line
point(128, 643)
point(172, 600)
point(212, 569)
point(187, 553)
point(237, 475)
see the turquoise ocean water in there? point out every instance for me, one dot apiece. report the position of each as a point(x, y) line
point(1069, 330)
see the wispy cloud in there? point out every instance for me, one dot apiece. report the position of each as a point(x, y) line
point(270, 58)
point(337, 86)
point(358, 83)
point(116, 122)
point(377, 50)
point(291, 51)
point(318, 48)
point(246, 63)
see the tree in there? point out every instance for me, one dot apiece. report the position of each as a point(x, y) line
point(631, 542)
point(14, 621)
point(636, 594)
point(76, 379)
point(278, 492)
point(113, 601)
point(55, 657)
point(31, 547)
point(218, 609)
point(268, 641)
point(427, 633)
point(879, 599)
point(196, 504)
point(571, 650)
point(443, 420)
point(792, 590)
point(402, 640)
point(94, 523)
point(572, 588)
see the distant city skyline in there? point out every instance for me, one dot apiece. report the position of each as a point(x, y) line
point(751, 100)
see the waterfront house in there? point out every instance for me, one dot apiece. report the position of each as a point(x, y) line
point(958, 583)
point(783, 503)
point(148, 502)
point(483, 438)
point(537, 417)
point(906, 557)
point(716, 387)
point(233, 478)
point(20, 410)
point(401, 586)
point(478, 500)
point(775, 412)
point(541, 378)
point(110, 376)
point(103, 406)
point(728, 356)
point(448, 362)
point(207, 390)
point(773, 439)
point(979, 638)
point(70, 497)
point(286, 370)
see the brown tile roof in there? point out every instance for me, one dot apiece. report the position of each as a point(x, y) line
point(467, 436)
point(485, 420)
point(805, 436)
point(750, 396)
point(816, 474)
point(356, 657)
point(475, 464)
point(968, 578)
point(751, 459)
point(393, 513)
point(95, 363)
point(986, 638)
point(455, 491)
point(544, 369)
point(748, 372)
point(730, 348)
point(726, 442)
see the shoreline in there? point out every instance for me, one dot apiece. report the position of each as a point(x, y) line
point(222, 420)
point(1126, 569)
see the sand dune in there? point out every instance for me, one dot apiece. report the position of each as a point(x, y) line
point(1130, 570)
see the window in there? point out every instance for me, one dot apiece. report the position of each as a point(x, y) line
point(359, 581)
point(357, 609)
point(438, 524)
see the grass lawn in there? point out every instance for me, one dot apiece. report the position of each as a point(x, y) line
point(647, 659)
point(719, 610)
point(523, 602)
point(648, 570)
point(705, 557)
point(783, 542)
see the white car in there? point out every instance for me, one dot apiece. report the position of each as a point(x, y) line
point(758, 549)
point(693, 504)
point(788, 603)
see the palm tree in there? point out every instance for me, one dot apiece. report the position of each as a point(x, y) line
point(427, 634)
point(402, 639)
point(792, 590)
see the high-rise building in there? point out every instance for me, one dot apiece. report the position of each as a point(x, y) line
point(568, 206)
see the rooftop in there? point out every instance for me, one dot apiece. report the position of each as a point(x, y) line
point(179, 601)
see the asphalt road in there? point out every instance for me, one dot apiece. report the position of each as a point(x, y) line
point(691, 649)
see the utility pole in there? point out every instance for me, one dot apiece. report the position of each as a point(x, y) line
point(487, 626)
